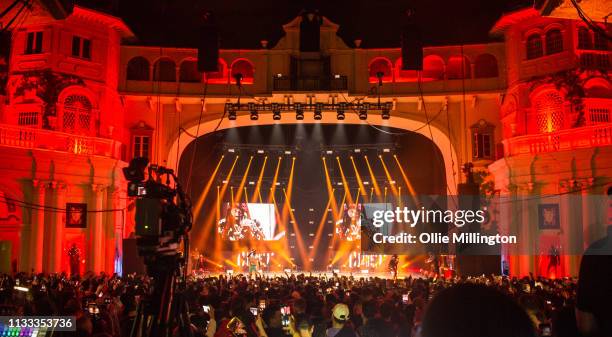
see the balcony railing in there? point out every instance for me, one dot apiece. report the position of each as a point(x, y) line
point(31, 138)
point(564, 140)
point(594, 59)
point(287, 83)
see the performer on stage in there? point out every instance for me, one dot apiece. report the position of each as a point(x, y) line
point(253, 262)
point(393, 262)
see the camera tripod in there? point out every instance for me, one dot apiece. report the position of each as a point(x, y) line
point(166, 308)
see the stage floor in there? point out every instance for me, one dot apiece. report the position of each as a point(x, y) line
point(328, 274)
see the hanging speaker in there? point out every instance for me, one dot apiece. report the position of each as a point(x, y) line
point(310, 32)
point(208, 48)
point(412, 48)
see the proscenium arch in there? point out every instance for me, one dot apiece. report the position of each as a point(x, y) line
point(440, 139)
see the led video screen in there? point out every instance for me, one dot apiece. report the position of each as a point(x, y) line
point(248, 222)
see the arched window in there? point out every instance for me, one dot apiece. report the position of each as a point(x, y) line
point(138, 69)
point(164, 70)
point(219, 76)
point(383, 66)
point(245, 68)
point(433, 67)
point(483, 137)
point(554, 41)
point(458, 67)
point(601, 43)
point(584, 38)
point(404, 75)
point(485, 66)
point(77, 114)
point(534, 46)
point(548, 112)
point(188, 72)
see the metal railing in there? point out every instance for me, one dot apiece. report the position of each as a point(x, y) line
point(31, 138)
point(563, 140)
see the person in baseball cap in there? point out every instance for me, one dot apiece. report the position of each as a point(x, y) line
point(340, 315)
point(340, 312)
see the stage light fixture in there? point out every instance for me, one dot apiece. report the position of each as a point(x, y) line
point(260, 151)
point(276, 113)
point(357, 150)
point(231, 150)
point(329, 152)
point(318, 112)
point(254, 114)
point(231, 113)
point(363, 111)
point(251, 183)
point(386, 110)
point(288, 152)
point(340, 112)
point(299, 113)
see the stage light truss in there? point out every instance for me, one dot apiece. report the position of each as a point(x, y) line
point(359, 149)
point(317, 109)
point(256, 149)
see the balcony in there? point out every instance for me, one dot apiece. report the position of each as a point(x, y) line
point(594, 59)
point(331, 83)
point(31, 138)
point(564, 140)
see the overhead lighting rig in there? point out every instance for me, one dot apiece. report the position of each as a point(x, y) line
point(278, 109)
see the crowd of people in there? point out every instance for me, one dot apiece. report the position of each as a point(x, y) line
point(303, 305)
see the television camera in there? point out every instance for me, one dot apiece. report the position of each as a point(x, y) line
point(163, 220)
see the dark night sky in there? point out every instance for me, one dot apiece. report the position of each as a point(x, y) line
point(243, 23)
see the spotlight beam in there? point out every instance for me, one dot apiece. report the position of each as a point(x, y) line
point(256, 193)
point(274, 180)
point(373, 178)
point(317, 238)
point(389, 178)
point(406, 180)
point(298, 235)
point(209, 219)
point(359, 180)
point(243, 181)
point(330, 191)
point(211, 179)
point(344, 181)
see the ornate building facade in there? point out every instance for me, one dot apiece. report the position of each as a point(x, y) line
point(80, 99)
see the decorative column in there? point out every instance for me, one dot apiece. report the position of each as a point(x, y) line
point(96, 233)
point(113, 227)
point(37, 227)
point(587, 223)
point(57, 228)
point(528, 246)
point(571, 226)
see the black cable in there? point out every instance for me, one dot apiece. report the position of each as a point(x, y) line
point(8, 25)
point(433, 144)
point(9, 8)
point(32, 206)
point(195, 145)
point(594, 26)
